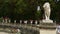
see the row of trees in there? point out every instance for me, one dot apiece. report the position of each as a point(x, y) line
point(27, 9)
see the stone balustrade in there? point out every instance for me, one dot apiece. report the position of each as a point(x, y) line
point(22, 21)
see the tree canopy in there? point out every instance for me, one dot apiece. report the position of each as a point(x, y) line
point(27, 9)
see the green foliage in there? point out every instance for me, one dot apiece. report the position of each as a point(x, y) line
point(27, 9)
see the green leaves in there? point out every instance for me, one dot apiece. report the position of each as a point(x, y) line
point(26, 9)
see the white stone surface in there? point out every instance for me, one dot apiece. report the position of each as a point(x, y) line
point(31, 21)
point(36, 22)
point(25, 22)
point(47, 31)
point(3, 33)
point(5, 20)
point(20, 21)
point(47, 21)
point(9, 20)
point(14, 21)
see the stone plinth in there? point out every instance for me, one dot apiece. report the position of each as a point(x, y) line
point(47, 21)
point(47, 31)
point(48, 25)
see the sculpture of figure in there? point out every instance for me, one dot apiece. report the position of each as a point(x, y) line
point(47, 10)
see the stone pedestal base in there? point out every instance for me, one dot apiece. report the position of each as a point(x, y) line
point(47, 21)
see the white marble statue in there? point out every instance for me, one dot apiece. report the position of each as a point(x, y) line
point(47, 11)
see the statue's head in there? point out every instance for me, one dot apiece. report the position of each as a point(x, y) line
point(46, 4)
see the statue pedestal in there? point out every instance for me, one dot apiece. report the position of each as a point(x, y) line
point(48, 24)
point(47, 21)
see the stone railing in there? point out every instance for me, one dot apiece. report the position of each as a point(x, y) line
point(22, 21)
point(23, 29)
point(36, 23)
point(26, 26)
